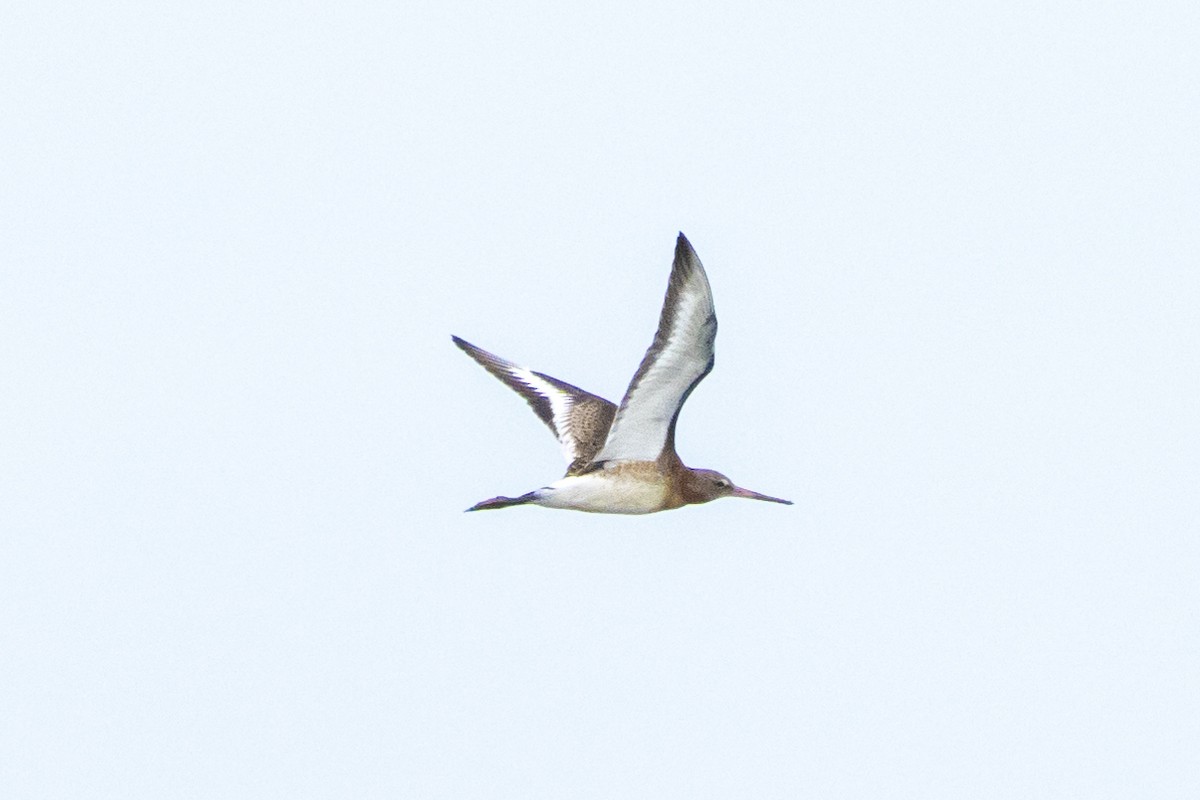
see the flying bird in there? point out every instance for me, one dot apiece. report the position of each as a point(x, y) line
point(622, 460)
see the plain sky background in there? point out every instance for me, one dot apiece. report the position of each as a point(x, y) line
point(955, 251)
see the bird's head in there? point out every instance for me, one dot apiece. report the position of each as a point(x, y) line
point(703, 485)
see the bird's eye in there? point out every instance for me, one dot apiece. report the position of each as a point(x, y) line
point(722, 483)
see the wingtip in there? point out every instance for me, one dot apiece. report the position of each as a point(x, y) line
point(686, 260)
point(683, 248)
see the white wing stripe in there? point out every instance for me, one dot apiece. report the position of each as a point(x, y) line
point(560, 407)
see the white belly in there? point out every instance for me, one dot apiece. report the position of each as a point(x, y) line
point(603, 492)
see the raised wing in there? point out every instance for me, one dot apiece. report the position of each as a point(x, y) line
point(679, 358)
point(579, 419)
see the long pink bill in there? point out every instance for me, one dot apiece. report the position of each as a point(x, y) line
point(740, 492)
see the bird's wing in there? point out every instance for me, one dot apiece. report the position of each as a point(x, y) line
point(579, 419)
point(679, 358)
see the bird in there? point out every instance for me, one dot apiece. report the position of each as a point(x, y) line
point(622, 459)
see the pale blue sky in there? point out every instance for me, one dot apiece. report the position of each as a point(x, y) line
point(955, 253)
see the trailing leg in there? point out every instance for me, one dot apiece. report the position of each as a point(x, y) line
point(504, 502)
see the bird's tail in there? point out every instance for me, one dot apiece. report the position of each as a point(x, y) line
point(504, 502)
